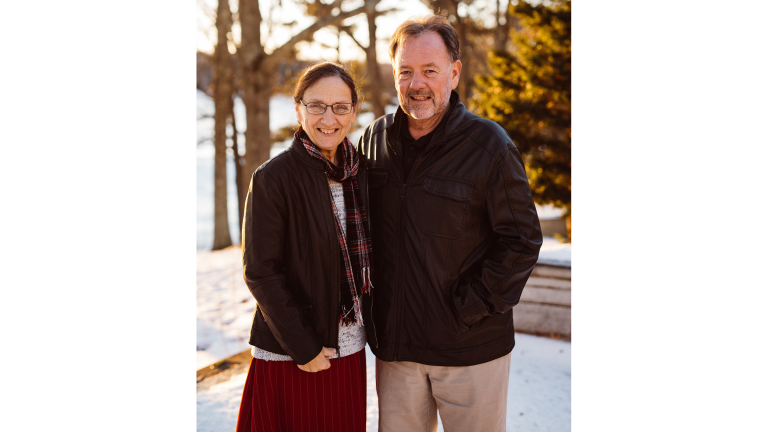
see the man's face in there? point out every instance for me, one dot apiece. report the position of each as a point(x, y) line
point(425, 76)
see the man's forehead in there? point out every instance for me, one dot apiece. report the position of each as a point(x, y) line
point(423, 50)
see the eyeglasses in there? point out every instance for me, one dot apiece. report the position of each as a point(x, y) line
point(319, 108)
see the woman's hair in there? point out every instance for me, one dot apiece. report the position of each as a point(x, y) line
point(417, 26)
point(318, 71)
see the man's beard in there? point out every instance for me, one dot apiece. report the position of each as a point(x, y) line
point(422, 110)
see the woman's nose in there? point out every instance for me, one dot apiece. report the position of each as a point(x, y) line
point(328, 114)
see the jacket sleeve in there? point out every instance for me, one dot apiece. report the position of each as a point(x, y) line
point(264, 225)
point(497, 283)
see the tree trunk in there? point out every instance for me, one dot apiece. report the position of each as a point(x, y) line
point(240, 179)
point(249, 51)
point(222, 98)
point(372, 64)
point(501, 33)
point(257, 139)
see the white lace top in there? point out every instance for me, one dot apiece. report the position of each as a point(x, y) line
point(352, 336)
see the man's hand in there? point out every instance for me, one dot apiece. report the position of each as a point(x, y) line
point(320, 362)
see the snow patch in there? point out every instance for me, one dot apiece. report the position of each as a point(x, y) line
point(549, 211)
point(554, 251)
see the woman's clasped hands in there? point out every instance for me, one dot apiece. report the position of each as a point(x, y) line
point(321, 362)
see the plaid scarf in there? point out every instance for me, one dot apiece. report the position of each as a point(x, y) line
point(355, 249)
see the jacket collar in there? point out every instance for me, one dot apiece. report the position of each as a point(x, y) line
point(455, 115)
point(297, 148)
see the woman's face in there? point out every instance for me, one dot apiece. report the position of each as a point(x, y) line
point(326, 130)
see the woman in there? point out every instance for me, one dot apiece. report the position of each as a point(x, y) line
point(306, 250)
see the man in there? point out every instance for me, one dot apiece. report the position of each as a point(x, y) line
point(455, 236)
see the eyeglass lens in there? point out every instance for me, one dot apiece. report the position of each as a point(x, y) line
point(319, 108)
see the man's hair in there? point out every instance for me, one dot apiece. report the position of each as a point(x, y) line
point(416, 26)
point(318, 71)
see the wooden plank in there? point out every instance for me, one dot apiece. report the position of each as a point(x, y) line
point(546, 295)
point(552, 271)
point(543, 320)
point(222, 370)
point(542, 282)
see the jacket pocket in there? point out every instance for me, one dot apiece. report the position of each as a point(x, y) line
point(444, 207)
point(440, 329)
point(259, 322)
point(306, 313)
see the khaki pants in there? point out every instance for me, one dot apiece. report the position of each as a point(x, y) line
point(468, 398)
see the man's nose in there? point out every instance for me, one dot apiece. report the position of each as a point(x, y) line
point(418, 81)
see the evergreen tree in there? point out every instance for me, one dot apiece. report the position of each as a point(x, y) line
point(528, 93)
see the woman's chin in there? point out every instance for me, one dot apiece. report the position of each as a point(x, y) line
point(328, 143)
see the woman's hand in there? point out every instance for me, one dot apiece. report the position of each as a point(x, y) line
point(320, 362)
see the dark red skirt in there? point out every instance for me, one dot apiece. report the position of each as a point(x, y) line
point(278, 396)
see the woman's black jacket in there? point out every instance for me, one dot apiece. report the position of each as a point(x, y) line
point(291, 255)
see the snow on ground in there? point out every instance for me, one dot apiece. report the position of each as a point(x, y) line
point(224, 306)
point(549, 211)
point(539, 391)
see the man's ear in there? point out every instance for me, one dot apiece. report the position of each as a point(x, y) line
point(394, 75)
point(455, 74)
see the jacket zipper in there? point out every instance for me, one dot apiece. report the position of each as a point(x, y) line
point(401, 244)
point(398, 271)
point(370, 232)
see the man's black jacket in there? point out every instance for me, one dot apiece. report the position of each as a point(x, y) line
point(291, 255)
point(453, 246)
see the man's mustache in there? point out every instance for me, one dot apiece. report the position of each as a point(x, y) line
point(420, 93)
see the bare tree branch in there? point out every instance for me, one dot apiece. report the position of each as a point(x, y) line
point(349, 33)
point(271, 20)
point(207, 10)
point(307, 33)
point(386, 11)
